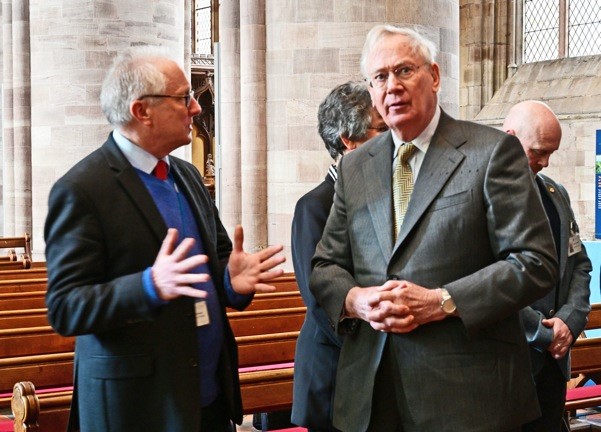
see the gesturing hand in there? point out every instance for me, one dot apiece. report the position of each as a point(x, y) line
point(249, 272)
point(170, 271)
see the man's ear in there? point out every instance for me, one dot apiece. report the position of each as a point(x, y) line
point(140, 110)
point(350, 145)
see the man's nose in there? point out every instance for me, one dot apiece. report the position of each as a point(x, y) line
point(194, 107)
point(393, 82)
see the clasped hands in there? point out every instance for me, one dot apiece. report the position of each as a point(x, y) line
point(562, 337)
point(398, 306)
point(249, 273)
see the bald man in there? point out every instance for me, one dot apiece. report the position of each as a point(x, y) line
point(552, 323)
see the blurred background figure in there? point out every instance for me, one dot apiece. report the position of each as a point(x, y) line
point(553, 322)
point(346, 119)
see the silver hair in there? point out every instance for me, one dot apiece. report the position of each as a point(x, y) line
point(134, 73)
point(418, 44)
point(345, 112)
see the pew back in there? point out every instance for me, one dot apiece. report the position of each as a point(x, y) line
point(266, 334)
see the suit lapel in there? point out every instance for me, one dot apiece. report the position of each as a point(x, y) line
point(440, 162)
point(377, 174)
point(134, 188)
point(550, 190)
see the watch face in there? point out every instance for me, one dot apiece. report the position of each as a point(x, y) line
point(448, 306)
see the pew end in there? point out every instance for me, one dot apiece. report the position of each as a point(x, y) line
point(586, 366)
point(25, 407)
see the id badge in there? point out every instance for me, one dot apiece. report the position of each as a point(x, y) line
point(202, 313)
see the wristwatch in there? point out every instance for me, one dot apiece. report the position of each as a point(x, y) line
point(447, 304)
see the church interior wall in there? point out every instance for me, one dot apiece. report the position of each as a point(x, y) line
point(310, 48)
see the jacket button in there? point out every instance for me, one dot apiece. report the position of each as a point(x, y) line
point(551, 313)
point(193, 363)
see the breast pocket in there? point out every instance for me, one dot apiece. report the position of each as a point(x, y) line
point(451, 200)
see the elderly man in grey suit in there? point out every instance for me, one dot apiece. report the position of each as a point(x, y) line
point(553, 322)
point(431, 312)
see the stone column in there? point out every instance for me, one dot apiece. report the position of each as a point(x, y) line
point(17, 119)
point(72, 46)
point(253, 125)
point(228, 111)
point(486, 29)
point(8, 144)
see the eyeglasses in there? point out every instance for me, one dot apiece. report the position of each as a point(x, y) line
point(186, 97)
point(402, 73)
point(379, 129)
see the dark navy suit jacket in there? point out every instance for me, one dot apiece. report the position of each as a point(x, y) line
point(318, 347)
point(136, 367)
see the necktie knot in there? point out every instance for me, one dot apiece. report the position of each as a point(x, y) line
point(405, 152)
point(161, 170)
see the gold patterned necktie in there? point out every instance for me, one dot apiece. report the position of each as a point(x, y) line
point(402, 185)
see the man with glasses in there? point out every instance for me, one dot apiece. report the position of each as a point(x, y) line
point(435, 241)
point(141, 269)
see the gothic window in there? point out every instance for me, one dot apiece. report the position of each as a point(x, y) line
point(555, 29)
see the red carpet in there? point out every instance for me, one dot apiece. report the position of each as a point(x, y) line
point(6, 424)
point(295, 429)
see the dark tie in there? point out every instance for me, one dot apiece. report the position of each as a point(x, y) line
point(160, 171)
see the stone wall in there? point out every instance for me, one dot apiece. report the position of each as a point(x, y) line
point(572, 88)
point(72, 46)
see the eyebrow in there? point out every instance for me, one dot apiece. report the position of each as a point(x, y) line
point(395, 66)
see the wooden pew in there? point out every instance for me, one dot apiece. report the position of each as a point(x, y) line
point(23, 284)
point(586, 362)
point(38, 270)
point(22, 300)
point(11, 255)
point(266, 355)
point(22, 263)
point(22, 242)
point(23, 318)
point(25, 407)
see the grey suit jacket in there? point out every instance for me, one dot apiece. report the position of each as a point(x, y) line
point(572, 292)
point(476, 226)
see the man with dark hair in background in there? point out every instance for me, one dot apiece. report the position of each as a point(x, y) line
point(346, 119)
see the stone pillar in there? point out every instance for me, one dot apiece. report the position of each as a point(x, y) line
point(17, 119)
point(8, 144)
point(253, 141)
point(228, 112)
point(486, 29)
point(72, 46)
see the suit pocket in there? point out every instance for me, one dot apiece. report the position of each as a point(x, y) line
point(119, 367)
point(451, 200)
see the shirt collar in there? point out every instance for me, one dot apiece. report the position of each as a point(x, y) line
point(333, 172)
point(136, 155)
point(422, 141)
